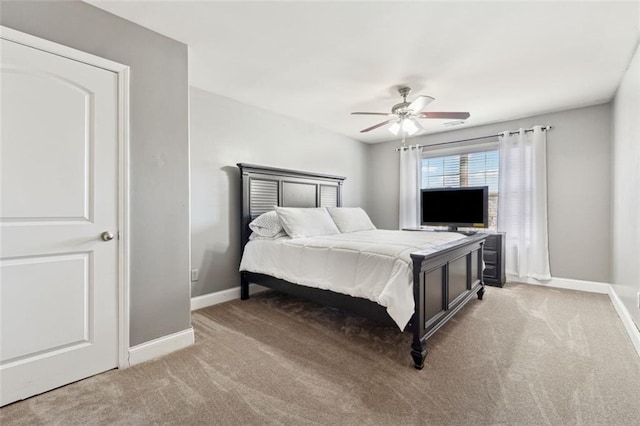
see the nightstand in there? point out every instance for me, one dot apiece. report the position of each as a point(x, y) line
point(493, 255)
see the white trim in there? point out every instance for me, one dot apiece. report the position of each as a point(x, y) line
point(161, 346)
point(59, 49)
point(123, 166)
point(625, 317)
point(123, 218)
point(222, 296)
point(189, 288)
point(592, 287)
point(567, 283)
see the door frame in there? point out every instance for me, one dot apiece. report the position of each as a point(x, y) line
point(122, 71)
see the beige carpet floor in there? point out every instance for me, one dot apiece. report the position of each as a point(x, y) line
point(525, 355)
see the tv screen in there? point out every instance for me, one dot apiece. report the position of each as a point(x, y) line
point(456, 207)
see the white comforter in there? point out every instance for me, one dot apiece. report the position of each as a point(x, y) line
point(374, 265)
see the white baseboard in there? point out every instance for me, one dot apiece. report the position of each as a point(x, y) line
point(592, 287)
point(222, 296)
point(161, 346)
point(625, 317)
point(567, 283)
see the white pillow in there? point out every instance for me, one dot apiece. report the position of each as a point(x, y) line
point(267, 225)
point(351, 219)
point(306, 222)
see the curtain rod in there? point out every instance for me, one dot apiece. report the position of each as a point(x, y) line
point(544, 128)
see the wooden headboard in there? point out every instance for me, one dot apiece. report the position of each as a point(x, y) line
point(264, 187)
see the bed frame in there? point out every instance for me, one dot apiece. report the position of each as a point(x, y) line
point(445, 277)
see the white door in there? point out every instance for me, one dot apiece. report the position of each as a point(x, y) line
point(59, 193)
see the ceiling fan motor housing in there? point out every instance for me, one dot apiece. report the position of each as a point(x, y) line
point(401, 108)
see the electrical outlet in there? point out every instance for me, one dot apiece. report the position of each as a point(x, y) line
point(194, 275)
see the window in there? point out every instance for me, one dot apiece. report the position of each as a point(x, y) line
point(465, 166)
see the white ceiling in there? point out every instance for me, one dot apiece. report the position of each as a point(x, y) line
point(319, 61)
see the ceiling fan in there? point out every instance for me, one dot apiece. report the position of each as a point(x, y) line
point(405, 114)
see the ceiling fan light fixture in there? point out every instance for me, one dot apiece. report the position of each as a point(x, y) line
point(405, 126)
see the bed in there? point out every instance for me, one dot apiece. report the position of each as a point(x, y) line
point(444, 275)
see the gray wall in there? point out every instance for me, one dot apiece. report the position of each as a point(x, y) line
point(158, 154)
point(625, 213)
point(226, 132)
point(579, 179)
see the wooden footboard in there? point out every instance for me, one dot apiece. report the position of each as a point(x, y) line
point(445, 278)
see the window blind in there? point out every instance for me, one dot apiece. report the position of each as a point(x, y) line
point(463, 168)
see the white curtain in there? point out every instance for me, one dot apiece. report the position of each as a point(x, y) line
point(410, 165)
point(522, 205)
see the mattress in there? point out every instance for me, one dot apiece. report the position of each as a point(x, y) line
point(374, 265)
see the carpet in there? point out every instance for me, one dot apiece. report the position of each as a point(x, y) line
point(524, 355)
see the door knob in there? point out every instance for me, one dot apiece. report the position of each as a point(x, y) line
point(106, 236)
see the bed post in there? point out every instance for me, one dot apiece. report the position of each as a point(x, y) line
point(418, 351)
point(480, 254)
point(244, 286)
point(419, 345)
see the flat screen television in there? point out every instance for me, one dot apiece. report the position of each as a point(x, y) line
point(455, 207)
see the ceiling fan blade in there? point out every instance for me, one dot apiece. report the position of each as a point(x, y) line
point(371, 113)
point(454, 115)
point(376, 126)
point(420, 102)
point(418, 125)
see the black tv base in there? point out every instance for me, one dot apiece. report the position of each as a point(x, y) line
point(449, 229)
